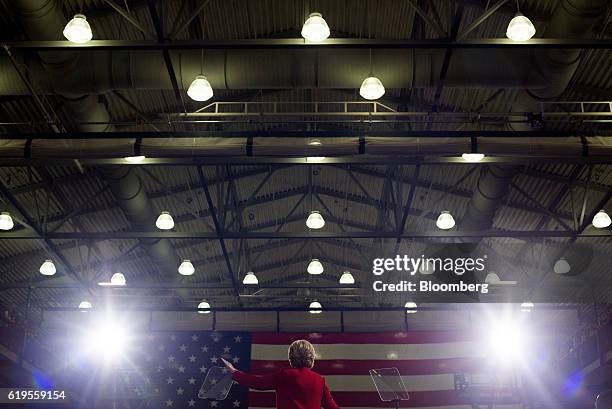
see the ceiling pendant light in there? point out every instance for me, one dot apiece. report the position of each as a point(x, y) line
point(315, 307)
point(84, 306)
point(472, 157)
point(6, 221)
point(315, 220)
point(600, 221)
point(78, 30)
point(371, 88)
point(562, 266)
point(347, 278)
point(250, 279)
point(118, 279)
point(315, 267)
point(315, 28)
point(47, 268)
point(520, 27)
point(527, 306)
point(200, 89)
point(411, 307)
point(204, 308)
point(445, 220)
point(165, 221)
point(186, 268)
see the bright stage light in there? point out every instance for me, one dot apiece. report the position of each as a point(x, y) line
point(505, 341)
point(108, 340)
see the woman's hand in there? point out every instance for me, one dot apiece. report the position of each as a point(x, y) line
point(229, 366)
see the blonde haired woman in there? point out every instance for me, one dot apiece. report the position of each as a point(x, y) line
point(297, 387)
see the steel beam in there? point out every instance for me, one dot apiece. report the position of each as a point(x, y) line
point(299, 43)
point(435, 234)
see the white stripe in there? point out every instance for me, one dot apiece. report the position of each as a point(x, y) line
point(413, 383)
point(391, 352)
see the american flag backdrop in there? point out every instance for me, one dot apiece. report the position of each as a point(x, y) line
point(428, 361)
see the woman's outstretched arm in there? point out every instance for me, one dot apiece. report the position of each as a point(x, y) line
point(263, 382)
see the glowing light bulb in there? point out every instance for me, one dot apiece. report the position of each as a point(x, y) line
point(520, 28)
point(6, 221)
point(118, 279)
point(186, 268)
point(47, 268)
point(601, 220)
point(371, 88)
point(315, 28)
point(165, 221)
point(411, 307)
point(472, 157)
point(527, 306)
point(347, 278)
point(200, 89)
point(78, 30)
point(250, 279)
point(85, 305)
point(445, 220)
point(134, 159)
point(204, 308)
point(315, 220)
point(315, 267)
point(315, 307)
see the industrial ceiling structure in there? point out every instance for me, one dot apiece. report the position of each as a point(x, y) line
point(287, 133)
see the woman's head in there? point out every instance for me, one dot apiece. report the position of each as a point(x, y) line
point(301, 354)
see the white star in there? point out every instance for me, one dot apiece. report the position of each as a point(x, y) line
point(226, 349)
point(204, 349)
point(159, 368)
point(202, 369)
point(147, 380)
point(236, 403)
point(181, 369)
point(224, 370)
point(213, 403)
point(216, 338)
point(191, 403)
point(191, 381)
point(235, 360)
point(214, 359)
point(183, 348)
point(180, 391)
point(173, 337)
point(170, 381)
point(192, 358)
point(171, 358)
point(161, 347)
point(238, 338)
point(169, 403)
point(194, 337)
point(213, 381)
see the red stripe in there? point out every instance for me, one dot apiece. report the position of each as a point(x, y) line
point(371, 399)
point(411, 337)
point(362, 367)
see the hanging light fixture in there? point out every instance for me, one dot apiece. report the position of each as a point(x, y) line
point(165, 221)
point(600, 221)
point(315, 267)
point(84, 306)
point(315, 307)
point(118, 279)
point(186, 268)
point(315, 220)
point(47, 268)
point(445, 220)
point(204, 308)
point(347, 278)
point(6, 221)
point(411, 307)
point(200, 89)
point(315, 28)
point(472, 157)
point(527, 306)
point(520, 27)
point(250, 279)
point(562, 266)
point(78, 30)
point(134, 159)
point(371, 88)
